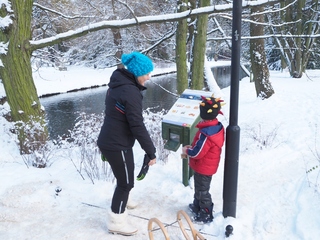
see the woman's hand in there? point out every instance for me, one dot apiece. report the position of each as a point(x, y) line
point(153, 161)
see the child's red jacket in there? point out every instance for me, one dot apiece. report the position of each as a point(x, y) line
point(206, 147)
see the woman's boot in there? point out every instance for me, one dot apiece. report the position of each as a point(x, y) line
point(118, 224)
point(131, 204)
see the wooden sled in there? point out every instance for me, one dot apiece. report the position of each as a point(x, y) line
point(195, 234)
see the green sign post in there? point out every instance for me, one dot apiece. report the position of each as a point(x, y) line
point(178, 125)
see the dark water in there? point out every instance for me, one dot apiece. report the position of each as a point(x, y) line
point(63, 110)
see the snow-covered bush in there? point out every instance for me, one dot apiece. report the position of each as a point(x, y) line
point(41, 157)
point(153, 125)
point(36, 149)
point(260, 137)
point(82, 147)
point(81, 144)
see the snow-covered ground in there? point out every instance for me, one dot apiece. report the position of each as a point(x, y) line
point(277, 198)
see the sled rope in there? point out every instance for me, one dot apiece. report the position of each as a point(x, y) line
point(144, 218)
point(164, 89)
point(161, 226)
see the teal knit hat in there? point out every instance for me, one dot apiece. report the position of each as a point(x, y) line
point(137, 63)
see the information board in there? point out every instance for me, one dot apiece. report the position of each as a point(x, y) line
point(185, 110)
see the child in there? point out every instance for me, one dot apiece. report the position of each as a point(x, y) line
point(204, 157)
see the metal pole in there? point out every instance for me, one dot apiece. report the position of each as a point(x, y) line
point(185, 171)
point(230, 184)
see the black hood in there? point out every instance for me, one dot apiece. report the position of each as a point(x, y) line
point(121, 77)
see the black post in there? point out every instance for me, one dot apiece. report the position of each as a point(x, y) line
point(230, 184)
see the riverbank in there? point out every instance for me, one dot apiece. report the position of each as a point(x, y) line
point(51, 81)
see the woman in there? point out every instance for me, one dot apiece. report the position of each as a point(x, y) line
point(123, 124)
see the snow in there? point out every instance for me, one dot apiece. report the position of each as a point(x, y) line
point(170, 17)
point(49, 80)
point(276, 197)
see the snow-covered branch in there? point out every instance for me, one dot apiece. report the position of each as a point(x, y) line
point(229, 17)
point(266, 36)
point(274, 11)
point(271, 24)
point(167, 36)
point(129, 8)
point(139, 20)
point(222, 32)
point(94, 7)
point(59, 13)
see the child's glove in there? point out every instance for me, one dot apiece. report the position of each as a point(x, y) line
point(144, 168)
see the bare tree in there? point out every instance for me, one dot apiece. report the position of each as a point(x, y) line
point(293, 30)
point(181, 49)
point(198, 52)
point(259, 67)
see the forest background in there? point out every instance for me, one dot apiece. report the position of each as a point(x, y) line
point(276, 35)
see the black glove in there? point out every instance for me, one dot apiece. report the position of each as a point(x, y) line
point(144, 168)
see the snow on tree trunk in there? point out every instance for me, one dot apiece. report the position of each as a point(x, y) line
point(259, 65)
point(199, 49)
point(181, 50)
point(16, 74)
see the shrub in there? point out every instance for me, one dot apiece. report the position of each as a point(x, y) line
point(261, 137)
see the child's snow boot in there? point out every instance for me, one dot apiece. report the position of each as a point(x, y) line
point(204, 215)
point(117, 224)
point(194, 207)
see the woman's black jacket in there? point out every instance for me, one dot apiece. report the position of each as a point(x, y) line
point(123, 122)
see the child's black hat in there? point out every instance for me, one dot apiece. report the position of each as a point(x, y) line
point(210, 107)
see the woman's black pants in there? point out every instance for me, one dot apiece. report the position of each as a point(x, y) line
point(122, 165)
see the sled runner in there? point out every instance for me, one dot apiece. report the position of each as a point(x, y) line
point(180, 215)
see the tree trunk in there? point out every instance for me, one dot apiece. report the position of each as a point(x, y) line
point(311, 29)
point(199, 50)
point(117, 40)
point(16, 74)
point(259, 65)
point(297, 50)
point(298, 43)
point(181, 50)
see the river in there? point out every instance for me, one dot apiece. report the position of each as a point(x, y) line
point(63, 110)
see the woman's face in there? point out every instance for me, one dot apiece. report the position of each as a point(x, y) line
point(144, 78)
